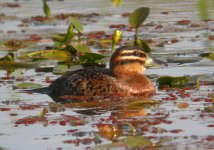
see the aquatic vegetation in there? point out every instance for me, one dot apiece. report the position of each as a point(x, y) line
point(137, 17)
point(116, 38)
point(178, 82)
point(35, 50)
point(46, 9)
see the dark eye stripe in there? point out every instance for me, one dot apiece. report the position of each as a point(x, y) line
point(137, 54)
point(128, 61)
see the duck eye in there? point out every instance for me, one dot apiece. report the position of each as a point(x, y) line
point(136, 53)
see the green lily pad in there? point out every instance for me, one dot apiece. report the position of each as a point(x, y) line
point(50, 54)
point(137, 142)
point(77, 25)
point(138, 16)
point(177, 82)
point(60, 69)
point(208, 55)
point(12, 64)
point(91, 57)
point(80, 47)
point(28, 85)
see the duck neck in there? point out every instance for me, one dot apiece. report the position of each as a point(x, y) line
point(128, 71)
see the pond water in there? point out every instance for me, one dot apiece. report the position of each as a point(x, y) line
point(171, 119)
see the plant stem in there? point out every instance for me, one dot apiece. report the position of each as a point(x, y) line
point(136, 34)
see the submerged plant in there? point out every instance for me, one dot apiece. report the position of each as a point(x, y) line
point(46, 9)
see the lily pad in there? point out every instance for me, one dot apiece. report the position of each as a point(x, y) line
point(28, 85)
point(80, 47)
point(173, 82)
point(12, 64)
point(91, 57)
point(50, 54)
point(137, 142)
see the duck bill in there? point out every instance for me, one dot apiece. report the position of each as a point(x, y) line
point(153, 62)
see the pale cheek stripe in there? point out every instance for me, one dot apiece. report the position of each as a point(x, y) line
point(129, 58)
point(127, 52)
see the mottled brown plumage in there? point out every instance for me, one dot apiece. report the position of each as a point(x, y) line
point(125, 77)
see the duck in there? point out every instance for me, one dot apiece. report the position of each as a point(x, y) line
point(124, 77)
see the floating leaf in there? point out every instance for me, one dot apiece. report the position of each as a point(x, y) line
point(50, 54)
point(28, 85)
point(80, 47)
point(142, 44)
point(177, 82)
point(44, 69)
point(12, 64)
point(138, 16)
point(77, 25)
point(91, 57)
point(209, 109)
point(208, 55)
point(137, 142)
point(60, 69)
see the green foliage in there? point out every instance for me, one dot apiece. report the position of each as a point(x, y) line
point(117, 3)
point(136, 142)
point(70, 34)
point(76, 24)
point(76, 48)
point(208, 55)
point(203, 12)
point(8, 57)
point(46, 9)
point(50, 54)
point(80, 47)
point(138, 16)
point(28, 85)
point(142, 44)
point(91, 57)
point(116, 38)
point(177, 82)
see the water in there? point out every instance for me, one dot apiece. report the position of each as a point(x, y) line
point(188, 126)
